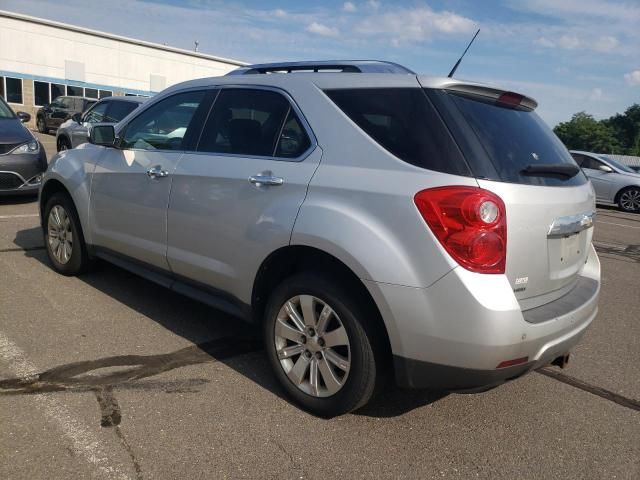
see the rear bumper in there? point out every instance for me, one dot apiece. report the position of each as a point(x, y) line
point(454, 334)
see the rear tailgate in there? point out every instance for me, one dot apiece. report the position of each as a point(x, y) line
point(549, 202)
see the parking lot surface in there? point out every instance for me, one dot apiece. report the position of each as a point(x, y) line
point(111, 376)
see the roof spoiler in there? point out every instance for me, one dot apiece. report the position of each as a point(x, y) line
point(503, 97)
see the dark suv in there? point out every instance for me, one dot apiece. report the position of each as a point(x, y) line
point(51, 116)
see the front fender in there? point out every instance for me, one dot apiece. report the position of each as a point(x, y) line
point(74, 169)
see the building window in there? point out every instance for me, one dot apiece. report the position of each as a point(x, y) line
point(14, 90)
point(106, 93)
point(40, 93)
point(74, 91)
point(91, 93)
point(57, 90)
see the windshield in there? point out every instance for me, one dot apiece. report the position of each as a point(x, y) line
point(5, 110)
point(620, 166)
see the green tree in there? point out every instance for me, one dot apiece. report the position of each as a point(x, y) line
point(583, 132)
point(627, 129)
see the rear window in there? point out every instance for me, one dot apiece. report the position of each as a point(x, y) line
point(403, 121)
point(514, 139)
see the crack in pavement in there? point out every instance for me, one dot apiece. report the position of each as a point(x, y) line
point(129, 450)
point(593, 389)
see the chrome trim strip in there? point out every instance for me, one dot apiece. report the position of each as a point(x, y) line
point(571, 224)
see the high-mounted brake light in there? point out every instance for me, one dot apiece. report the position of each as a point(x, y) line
point(470, 223)
point(510, 99)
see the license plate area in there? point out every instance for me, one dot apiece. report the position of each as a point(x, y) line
point(567, 255)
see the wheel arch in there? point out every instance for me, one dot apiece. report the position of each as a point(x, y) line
point(292, 259)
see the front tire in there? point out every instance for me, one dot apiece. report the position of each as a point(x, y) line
point(629, 200)
point(318, 346)
point(63, 236)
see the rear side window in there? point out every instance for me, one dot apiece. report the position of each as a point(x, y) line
point(119, 110)
point(513, 139)
point(246, 122)
point(403, 121)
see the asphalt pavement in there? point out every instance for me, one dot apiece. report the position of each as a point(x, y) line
point(110, 376)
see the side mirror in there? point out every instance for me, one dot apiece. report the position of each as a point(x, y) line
point(77, 117)
point(605, 168)
point(24, 117)
point(101, 134)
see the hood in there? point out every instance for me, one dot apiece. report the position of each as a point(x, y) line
point(12, 132)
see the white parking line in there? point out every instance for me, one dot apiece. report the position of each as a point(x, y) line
point(84, 443)
point(618, 224)
point(24, 215)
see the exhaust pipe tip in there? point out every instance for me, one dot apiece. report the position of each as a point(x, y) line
point(561, 361)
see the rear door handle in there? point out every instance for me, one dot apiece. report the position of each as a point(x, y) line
point(157, 172)
point(262, 179)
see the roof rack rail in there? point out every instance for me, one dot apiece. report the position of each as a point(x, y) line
point(343, 66)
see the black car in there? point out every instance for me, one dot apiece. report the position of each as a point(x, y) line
point(22, 157)
point(52, 115)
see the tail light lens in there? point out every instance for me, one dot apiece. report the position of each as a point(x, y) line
point(470, 223)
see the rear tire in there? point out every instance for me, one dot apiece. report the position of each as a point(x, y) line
point(42, 125)
point(63, 238)
point(339, 344)
point(629, 200)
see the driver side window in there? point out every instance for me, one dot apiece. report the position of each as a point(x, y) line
point(164, 125)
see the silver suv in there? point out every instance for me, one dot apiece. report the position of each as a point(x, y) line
point(374, 223)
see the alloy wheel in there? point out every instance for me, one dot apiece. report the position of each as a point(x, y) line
point(312, 345)
point(60, 236)
point(630, 200)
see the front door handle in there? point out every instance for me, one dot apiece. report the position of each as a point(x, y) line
point(157, 172)
point(264, 179)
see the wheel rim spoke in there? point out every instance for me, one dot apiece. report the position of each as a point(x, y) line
point(285, 331)
point(299, 370)
point(289, 352)
point(336, 337)
point(313, 376)
point(336, 359)
point(294, 315)
point(323, 319)
point(308, 310)
point(328, 377)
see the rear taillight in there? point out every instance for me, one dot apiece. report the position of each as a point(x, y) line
point(470, 223)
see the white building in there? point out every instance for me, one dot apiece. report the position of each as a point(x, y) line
point(41, 60)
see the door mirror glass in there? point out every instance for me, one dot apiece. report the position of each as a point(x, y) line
point(104, 135)
point(24, 117)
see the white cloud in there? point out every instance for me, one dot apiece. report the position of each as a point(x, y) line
point(412, 25)
point(349, 7)
point(596, 94)
point(625, 11)
point(605, 43)
point(633, 78)
point(568, 42)
point(323, 30)
point(373, 4)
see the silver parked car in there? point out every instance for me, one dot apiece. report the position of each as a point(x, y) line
point(614, 182)
point(374, 223)
point(74, 131)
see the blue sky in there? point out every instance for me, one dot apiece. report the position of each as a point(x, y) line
point(570, 55)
